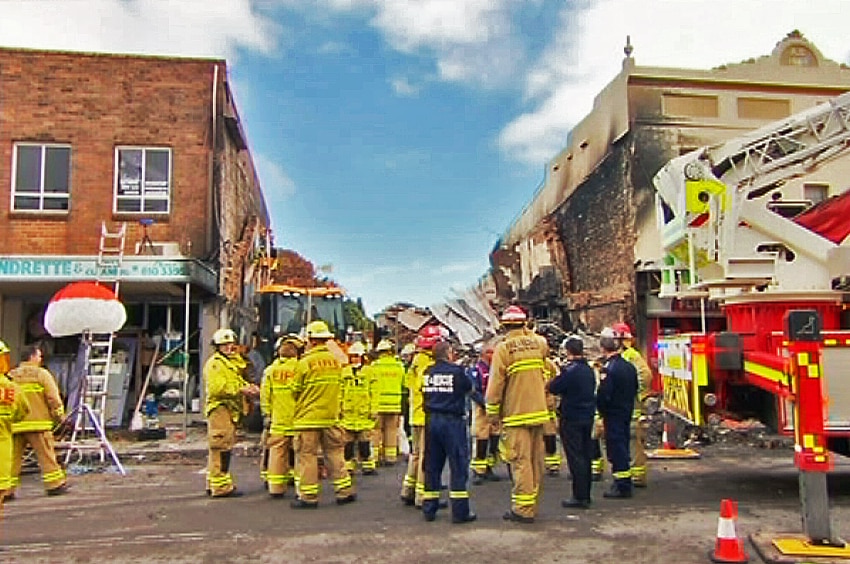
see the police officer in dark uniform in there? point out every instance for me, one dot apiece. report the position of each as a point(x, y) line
point(615, 401)
point(444, 389)
point(576, 385)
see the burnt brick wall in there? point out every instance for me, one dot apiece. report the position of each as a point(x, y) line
point(95, 103)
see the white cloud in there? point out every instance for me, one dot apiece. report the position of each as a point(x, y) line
point(197, 28)
point(277, 185)
point(455, 267)
point(402, 87)
point(588, 50)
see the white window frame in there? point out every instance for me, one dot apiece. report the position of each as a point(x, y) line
point(41, 194)
point(142, 197)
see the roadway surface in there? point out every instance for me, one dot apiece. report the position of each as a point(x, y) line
point(159, 513)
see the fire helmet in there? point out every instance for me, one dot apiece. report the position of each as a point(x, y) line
point(291, 338)
point(356, 349)
point(429, 336)
point(318, 330)
point(223, 337)
point(384, 345)
point(407, 349)
point(513, 315)
point(622, 330)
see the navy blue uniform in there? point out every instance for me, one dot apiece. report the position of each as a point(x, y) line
point(444, 389)
point(615, 401)
point(576, 384)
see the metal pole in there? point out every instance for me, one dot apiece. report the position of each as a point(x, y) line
point(186, 399)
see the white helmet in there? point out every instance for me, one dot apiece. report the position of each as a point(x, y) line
point(384, 345)
point(223, 337)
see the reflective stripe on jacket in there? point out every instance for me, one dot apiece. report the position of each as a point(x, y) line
point(517, 387)
point(42, 395)
point(318, 378)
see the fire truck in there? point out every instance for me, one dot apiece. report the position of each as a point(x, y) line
point(738, 234)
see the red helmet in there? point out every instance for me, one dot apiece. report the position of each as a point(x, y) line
point(429, 336)
point(622, 330)
point(514, 314)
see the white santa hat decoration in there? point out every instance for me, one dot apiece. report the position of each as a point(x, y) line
point(84, 306)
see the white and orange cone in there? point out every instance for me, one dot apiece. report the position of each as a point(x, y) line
point(728, 548)
point(668, 449)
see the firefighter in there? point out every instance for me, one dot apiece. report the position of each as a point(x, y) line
point(356, 412)
point(640, 419)
point(615, 401)
point(278, 407)
point(36, 430)
point(576, 386)
point(13, 408)
point(487, 430)
point(227, 394)
point(318, 378)
point(551, 458)
point(413, 485)
point(444, 392)
point(406, 356)
point(517, 394)
point(386, 378)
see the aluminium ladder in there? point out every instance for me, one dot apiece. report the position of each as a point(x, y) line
point(89, 423)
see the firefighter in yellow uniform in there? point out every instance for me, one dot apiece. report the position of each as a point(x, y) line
point(413, 485)
point(640, 421)
point(517, 394)
point(13, 408)
point(277, 404)
point(357, 417)
point(36, 429)
point(551, 459)
point(317, 385)
point(386, 378)
point(226, 392)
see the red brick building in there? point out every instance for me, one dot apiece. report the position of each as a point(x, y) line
point(93, 138)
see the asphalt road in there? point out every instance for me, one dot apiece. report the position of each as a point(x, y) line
point(159, 513)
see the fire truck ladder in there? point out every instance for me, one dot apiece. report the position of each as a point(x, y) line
point(89, 421)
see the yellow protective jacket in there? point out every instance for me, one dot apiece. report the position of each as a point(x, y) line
point(356, 401)
point(550, 370)
point(224, 380)
point(13, 408)
point(517, 388)
point(415, 377)
point(386, 378)
point(644, 376)
point(317, 385)
point(277, 399)
point(39, 387)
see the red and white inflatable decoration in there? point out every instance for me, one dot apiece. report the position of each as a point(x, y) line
point(84, 306)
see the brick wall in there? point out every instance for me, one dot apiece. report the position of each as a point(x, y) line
point(95, 103)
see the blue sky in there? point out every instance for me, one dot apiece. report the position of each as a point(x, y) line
point(397, 139)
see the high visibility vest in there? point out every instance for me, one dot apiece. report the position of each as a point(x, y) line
point(517, 388)
point(318, 378)
point(386, 376)
point(223, 376)
point(42, 394)
point(356, 403)
point(414, 379)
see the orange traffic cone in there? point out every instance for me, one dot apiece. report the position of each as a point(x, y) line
point(665, 440)
point(728, 549)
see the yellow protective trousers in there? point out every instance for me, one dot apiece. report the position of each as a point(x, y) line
point(385, 437)
point(42, 444)
point(332, 442)
point(413, 485)
point(281, 461)
point(525, 455)
point(221, 436)
point(640, 476)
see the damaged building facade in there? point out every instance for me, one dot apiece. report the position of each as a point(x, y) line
point(152, 143)
point(586, 252)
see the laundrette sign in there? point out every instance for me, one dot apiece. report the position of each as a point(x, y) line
point(47, 268)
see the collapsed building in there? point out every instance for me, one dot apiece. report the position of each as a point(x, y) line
point(585, 251)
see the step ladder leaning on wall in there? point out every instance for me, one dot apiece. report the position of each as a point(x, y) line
point(89, 418)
